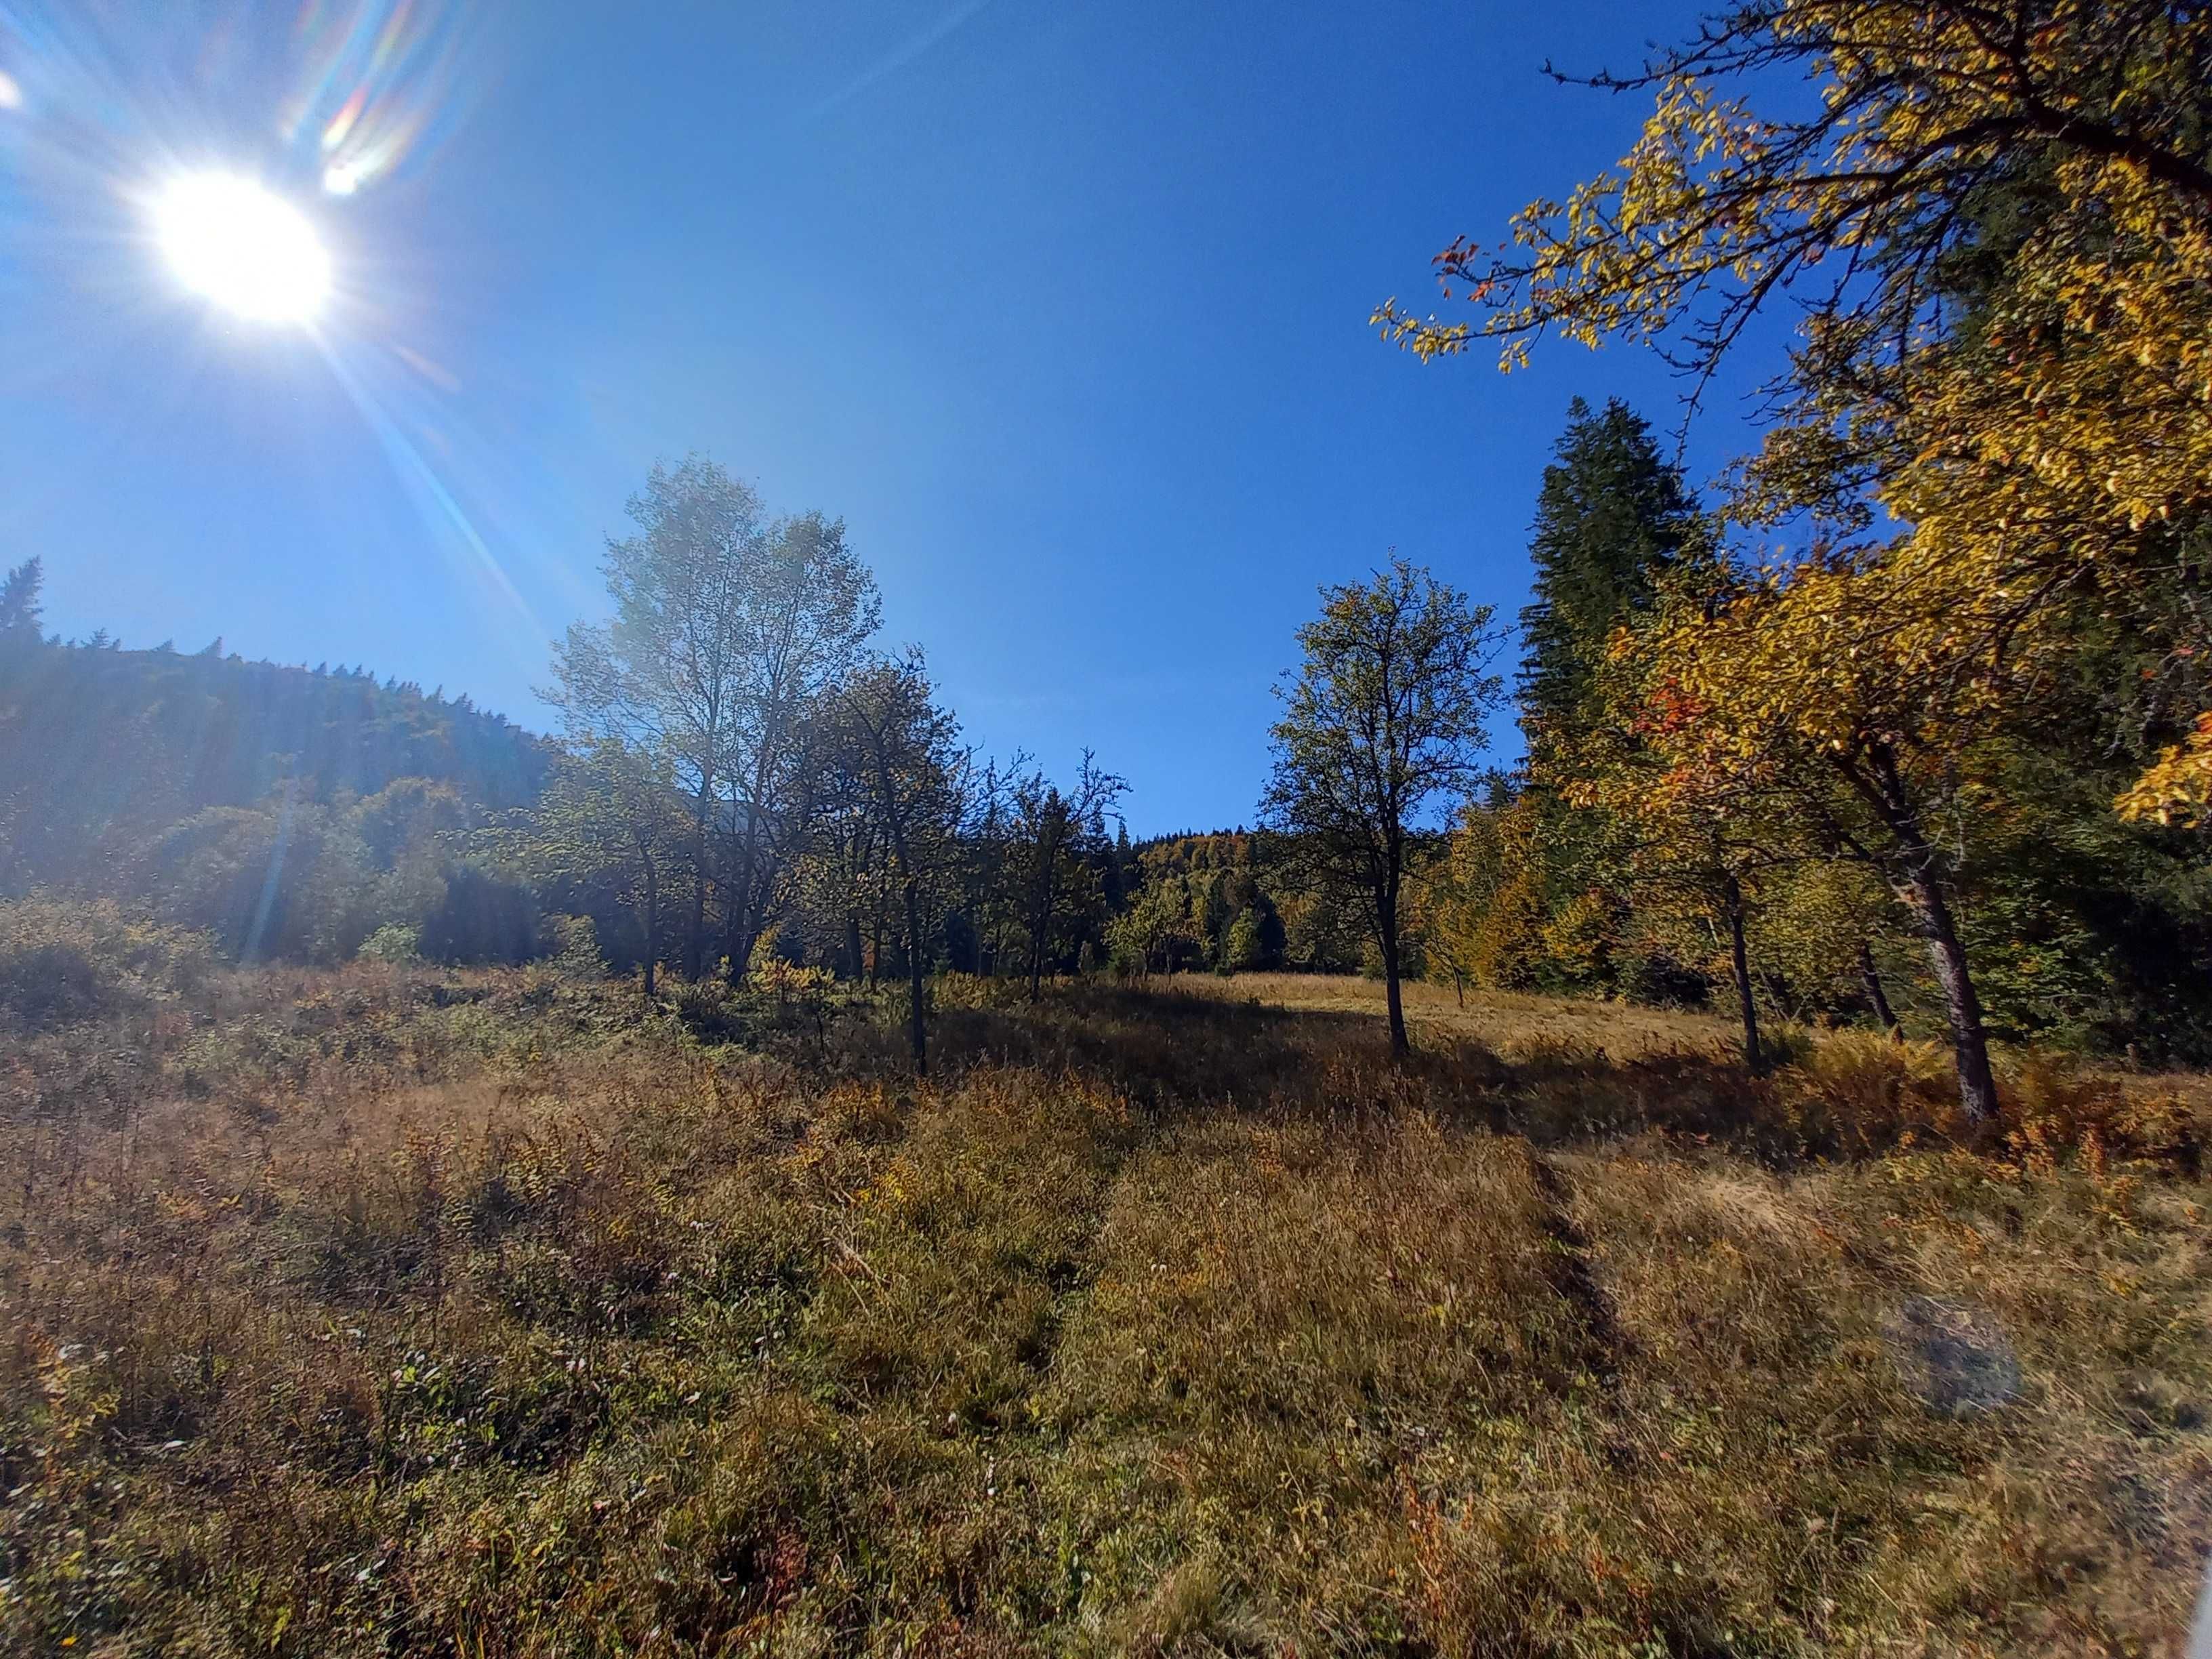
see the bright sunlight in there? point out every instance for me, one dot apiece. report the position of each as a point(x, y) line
point(244, 247)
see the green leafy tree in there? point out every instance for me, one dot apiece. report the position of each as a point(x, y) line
point(905, 748)
point(1241, 946)
point(725, 627)
point(665, 673)
point(1051, 835)
point(812, 605)
point(613, 815)
point(1384, 714)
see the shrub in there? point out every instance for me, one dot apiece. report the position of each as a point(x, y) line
point(572, 947)
point(63, 961)
point(484, 917)
point(709, 1012)
point(395, 943)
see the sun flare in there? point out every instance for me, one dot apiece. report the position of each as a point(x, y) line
point(244, 247)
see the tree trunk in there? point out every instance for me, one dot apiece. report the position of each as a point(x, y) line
point(1739, 959)
point(875, 950)
point(694, 943)
point(652, 929)
point(1875, 996)
point(745, 929)
point(1962, 1006)
point(854, 963)
point(917, 1025)
point(742, 938)
point(734, 956)
point(1459, 987)
point(1387, 936)
point(1039, 927)
point(1921, 887)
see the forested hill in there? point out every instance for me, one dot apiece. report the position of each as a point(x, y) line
point(102, 749)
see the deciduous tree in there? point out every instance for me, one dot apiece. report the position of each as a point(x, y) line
point(1995, 224)
point(1385, 713)
point(906, 750)
point(612, 815)
point(1048, 832)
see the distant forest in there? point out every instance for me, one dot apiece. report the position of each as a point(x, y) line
point(288, 811)
point(810, 805)
point(306, 814)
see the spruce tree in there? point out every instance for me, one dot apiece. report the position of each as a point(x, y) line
point(1612, 518)
point(19, 595)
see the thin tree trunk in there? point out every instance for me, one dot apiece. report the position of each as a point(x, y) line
point(917, 1026)
point(740, 928)
point(1459, 987)
point(695, 943)
point(1875, 996)
point(1387, 916)
point(1739, 959)
point(1040, 924)
point(854, 964)
point(734, 956)
point(1921, 887)
point(745, 925)
point(1777, 993)
point(1962, 1006)
point(652, 929)
point(742, 938)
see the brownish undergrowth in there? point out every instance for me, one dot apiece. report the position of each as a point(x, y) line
point(382, 1312)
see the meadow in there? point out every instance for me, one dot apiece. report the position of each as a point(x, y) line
point(383, 1310)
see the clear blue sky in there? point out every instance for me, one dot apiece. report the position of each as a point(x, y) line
point(1063, 307)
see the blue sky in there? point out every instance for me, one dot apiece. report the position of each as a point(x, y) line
point(1063, 308)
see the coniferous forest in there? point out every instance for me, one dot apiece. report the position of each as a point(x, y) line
point(749, 1170)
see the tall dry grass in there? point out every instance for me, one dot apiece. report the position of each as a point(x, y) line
point(378, 1312)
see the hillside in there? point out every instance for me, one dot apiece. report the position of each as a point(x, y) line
point(381, 1310)
point(102, 749)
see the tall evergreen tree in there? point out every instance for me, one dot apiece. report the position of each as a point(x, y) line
point(19, 595)
point(1612, 517)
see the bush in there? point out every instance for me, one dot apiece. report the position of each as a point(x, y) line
point(63, 961)
point(709, 1012)
point(572, 947)
point(53, 983)
point(394, 943)
point(484, 917)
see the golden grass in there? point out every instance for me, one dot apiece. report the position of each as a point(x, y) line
point(380, 1312)
point(1503, 1020)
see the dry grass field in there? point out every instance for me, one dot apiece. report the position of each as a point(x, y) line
point(1501, 1020)
point(393, 1312)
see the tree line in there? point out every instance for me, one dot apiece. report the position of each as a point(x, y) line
point(1905, 719)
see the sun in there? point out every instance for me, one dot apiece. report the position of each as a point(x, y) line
point(243, 246)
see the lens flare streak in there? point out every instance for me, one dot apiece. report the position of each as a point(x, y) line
point(421, 479)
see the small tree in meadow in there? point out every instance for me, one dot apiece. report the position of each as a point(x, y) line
point(1384, 715)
